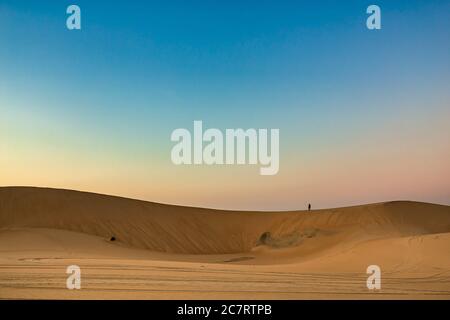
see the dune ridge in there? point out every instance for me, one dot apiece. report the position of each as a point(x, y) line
point(188, 230)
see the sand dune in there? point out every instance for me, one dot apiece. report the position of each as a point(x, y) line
point(165, 251)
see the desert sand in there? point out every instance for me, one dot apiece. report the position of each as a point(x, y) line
point(173, 252)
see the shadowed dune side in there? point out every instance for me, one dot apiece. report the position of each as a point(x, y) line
point(187, 230)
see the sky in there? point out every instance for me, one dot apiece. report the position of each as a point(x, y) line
point(363, 114)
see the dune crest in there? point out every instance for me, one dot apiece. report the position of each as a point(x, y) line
point(187, 230)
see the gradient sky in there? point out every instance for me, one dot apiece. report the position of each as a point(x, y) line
point(364, 116)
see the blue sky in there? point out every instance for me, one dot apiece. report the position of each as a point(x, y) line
point(137, 70)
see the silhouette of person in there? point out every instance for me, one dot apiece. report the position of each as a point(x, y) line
point(309, 206)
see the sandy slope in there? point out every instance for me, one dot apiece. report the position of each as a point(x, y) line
point(165, 251)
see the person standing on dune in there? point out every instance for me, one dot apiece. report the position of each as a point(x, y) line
point(309, 206)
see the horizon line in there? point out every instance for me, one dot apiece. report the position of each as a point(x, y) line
point(214, 209)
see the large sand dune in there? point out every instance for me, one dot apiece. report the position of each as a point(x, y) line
point(165, 251)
